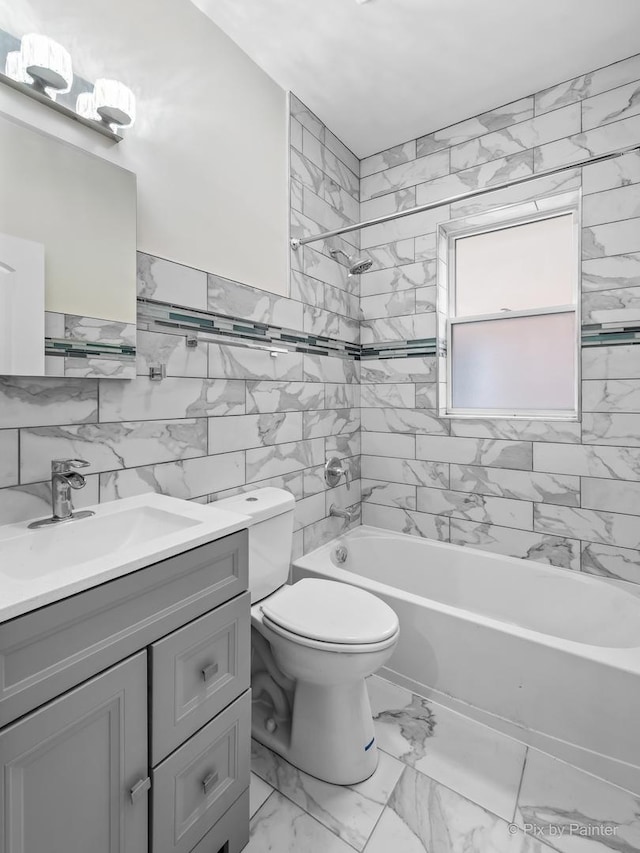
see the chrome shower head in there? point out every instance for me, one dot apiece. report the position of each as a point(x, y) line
point(359, 265)
point(356, 265)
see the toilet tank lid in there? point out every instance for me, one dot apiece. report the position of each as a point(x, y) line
point(260, 504)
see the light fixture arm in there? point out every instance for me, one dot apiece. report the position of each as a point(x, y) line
point(32, 93)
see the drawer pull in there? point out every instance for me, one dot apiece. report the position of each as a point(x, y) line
point(139, 788)
point(209, 781)
point(209, 671)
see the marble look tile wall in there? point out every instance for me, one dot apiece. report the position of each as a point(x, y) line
point(225, 418)
point(563, 493)
point(325, 194)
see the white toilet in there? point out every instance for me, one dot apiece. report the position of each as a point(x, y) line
point(313, 644)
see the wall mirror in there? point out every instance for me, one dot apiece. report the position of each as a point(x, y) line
point(67, 259)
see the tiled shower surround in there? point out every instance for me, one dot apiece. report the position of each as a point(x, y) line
point(227, 418)
point(563, 493)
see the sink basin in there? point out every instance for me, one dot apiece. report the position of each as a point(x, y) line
point(65, 545)
point(43, 565)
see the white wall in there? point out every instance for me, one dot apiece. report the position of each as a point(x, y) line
point(209, 145)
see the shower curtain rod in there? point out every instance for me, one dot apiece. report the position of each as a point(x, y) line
point(432, 205)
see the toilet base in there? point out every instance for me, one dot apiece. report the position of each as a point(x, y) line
point(330, 735)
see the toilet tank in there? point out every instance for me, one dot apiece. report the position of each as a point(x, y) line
point(270, 536)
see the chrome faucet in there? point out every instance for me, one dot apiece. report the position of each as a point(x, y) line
point(63, 479)
point(336, 512)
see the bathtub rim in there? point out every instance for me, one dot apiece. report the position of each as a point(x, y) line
point(627, 657)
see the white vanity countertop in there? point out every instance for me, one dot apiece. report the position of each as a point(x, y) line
point(39, 567)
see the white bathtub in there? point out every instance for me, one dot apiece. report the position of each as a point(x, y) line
point(546, 655)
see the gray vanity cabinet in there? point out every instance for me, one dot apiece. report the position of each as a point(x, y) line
point(67, 771)
point(56, 647)
point(125, 712)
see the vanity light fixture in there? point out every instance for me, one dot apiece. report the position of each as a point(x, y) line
point(42, 69)
point(47, 63)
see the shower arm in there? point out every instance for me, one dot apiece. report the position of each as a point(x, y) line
point(296, 242)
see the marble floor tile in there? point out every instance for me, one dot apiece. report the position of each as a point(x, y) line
point(425, 817)
point(259, 791)
point(576, 812)
point(281, 826)
point(350, 812)
point(472, 759)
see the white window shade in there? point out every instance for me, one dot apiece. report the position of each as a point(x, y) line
point(516, 268)
point(515, 364)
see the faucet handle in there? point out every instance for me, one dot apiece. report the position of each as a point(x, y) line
point(64, 466)
point(346, 470)
point(333, 470)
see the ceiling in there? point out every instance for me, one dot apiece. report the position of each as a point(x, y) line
point(385, 71)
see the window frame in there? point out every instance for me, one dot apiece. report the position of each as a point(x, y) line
point(499, 219)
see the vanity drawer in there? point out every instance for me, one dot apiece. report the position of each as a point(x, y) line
point(50, 650)
point(195, 786)
point(231, 832)
point(197, 671)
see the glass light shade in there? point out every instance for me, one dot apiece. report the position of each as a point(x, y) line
point(115, 103)
point(47, 63)
point(86, 106)
point(14, 68)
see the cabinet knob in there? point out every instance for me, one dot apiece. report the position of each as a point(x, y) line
point(209, 781)
point(209, 671)
point(139, 788)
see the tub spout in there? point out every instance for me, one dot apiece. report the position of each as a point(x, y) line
point(336, 512)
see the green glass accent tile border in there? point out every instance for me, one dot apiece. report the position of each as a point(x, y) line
point(399, 349)
point(178, 320)
point(610, 334)
point(88, 349)
point(170, 318)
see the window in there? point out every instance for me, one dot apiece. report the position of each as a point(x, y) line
point(510, 327)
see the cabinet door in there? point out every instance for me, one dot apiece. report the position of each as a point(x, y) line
point(67, 770)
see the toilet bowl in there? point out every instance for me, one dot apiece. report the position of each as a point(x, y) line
point(331, 734)
point(313, 645)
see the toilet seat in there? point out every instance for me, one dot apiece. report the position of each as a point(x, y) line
point(322, 645)
point(323, 614)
